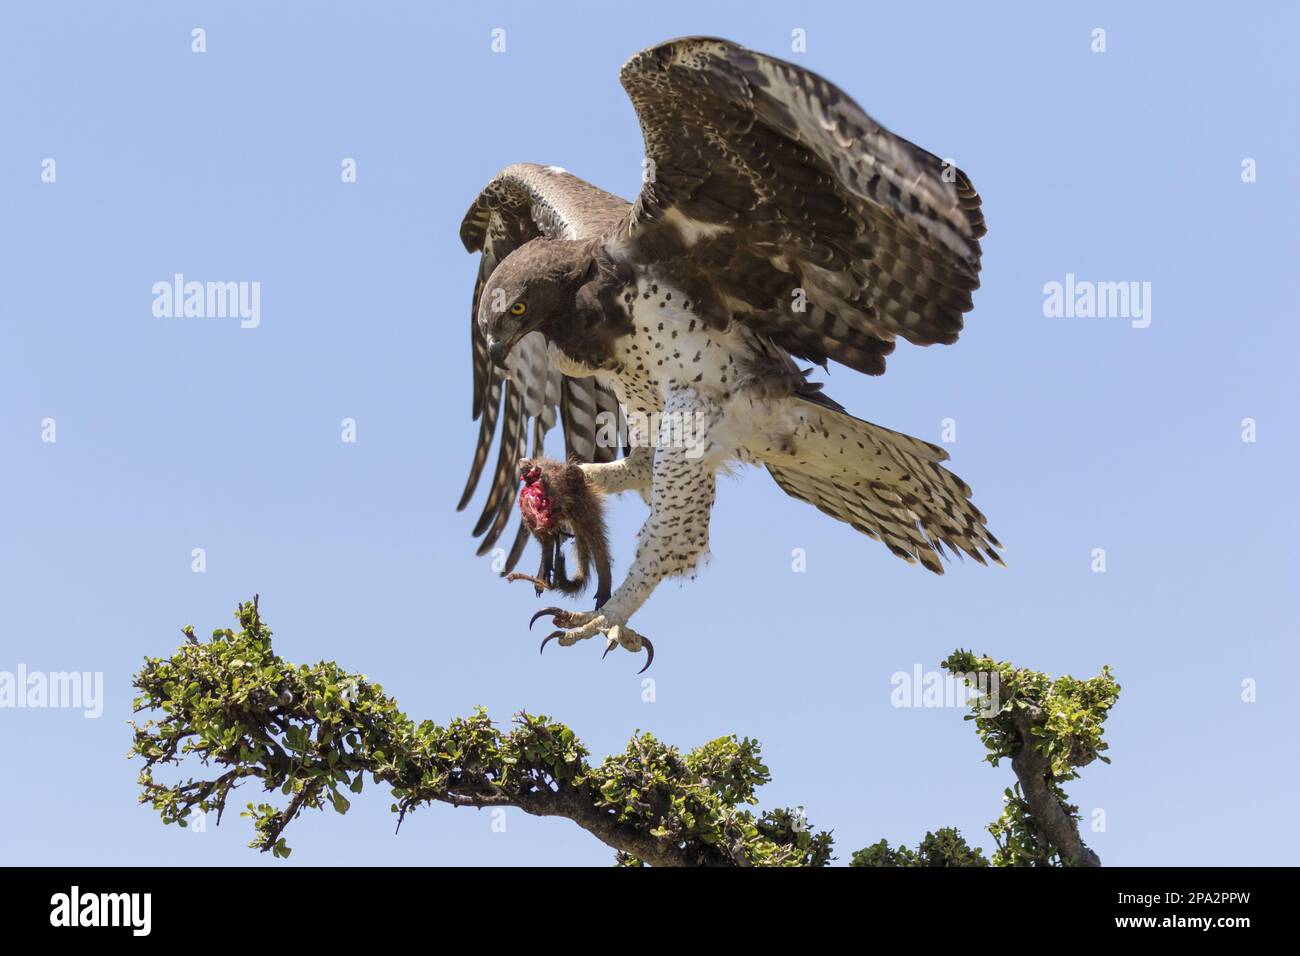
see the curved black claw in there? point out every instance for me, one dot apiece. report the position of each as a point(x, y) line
point(546, 610)
point(649, 654)
point(550, 637)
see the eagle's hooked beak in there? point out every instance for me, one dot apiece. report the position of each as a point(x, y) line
point(498, 349)
point(497, 352)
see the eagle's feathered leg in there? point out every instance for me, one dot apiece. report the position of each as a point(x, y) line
point(675, 537)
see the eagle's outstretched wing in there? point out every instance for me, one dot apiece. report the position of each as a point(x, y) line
point(524, 202)
point(775, 185)
point(768, 189)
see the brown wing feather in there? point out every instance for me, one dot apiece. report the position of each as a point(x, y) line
point(768, 179)
point(521, 203)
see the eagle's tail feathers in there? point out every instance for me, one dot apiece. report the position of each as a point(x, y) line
point(888, 485)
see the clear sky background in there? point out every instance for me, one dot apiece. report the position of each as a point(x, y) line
point(1076, 434)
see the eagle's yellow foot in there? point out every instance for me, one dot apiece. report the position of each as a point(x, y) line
point(577, 626)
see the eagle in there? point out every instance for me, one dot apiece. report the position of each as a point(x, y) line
point(776, 222)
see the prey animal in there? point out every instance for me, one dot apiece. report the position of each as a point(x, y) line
point(558, 502)
point(776, 222)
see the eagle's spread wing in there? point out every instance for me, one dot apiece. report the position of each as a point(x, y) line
point(524, 202)
point(774, 184)
point(767, 188)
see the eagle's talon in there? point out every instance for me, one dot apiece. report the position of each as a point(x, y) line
point(632, 641)
point(649, 654)
point(566, 619)
point(615, 634)
point(557, 611)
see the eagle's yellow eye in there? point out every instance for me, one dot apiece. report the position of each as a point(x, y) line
point(518, 308)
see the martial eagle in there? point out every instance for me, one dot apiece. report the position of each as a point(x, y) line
point(776, 221)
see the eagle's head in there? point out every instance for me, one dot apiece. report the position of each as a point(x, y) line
point(533, 289)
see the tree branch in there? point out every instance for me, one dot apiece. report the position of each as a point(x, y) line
point(1049, 729)
point(314, 734)
point(1046, 809)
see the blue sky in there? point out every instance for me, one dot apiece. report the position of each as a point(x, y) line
point(1076, 434)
